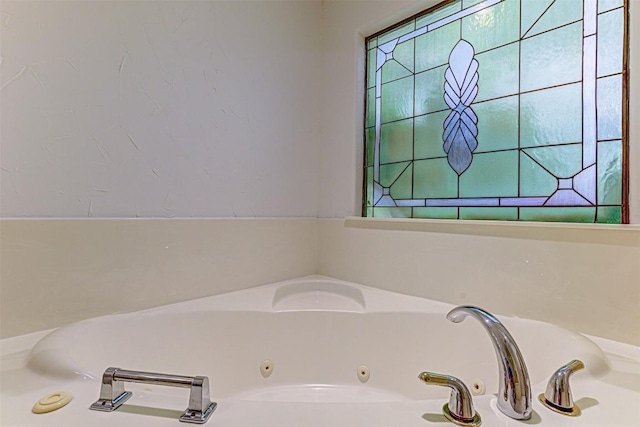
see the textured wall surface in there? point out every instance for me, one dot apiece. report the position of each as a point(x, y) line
point(159, 108)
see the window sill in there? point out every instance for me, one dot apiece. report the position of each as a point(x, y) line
point(618, 234)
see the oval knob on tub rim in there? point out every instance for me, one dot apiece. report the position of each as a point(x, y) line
point(51, 402)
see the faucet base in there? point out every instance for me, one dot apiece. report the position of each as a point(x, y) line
point(574, 411)
point(474, 422)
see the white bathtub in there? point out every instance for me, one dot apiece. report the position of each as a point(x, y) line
point(318, 333)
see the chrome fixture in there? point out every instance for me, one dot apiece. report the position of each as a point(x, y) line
point(558, 397)
point(460, 409)
point(113, 394)
point(514, 393)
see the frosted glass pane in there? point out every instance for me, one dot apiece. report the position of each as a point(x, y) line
point(392, 70)
point(428, 135)
point(491, 174)
point(396, 141)
point(577, 214)
point(610, 107)
point(389, 173)
point(404, 54)
point(610, 38)
point(398, 100)
point(429, 91)
point(552, 58)
point(499, 72)
point(493, 27)
point(383, 212)
point(534, 179)
point(433, 48)
point(532, 10)
point(609, 172)
point(609, 215)
point(563, 161)
point(402, 187)
point(498, 124)
point(551, 116)
point(560, 13)
point(604, 5)
point(504, 214)
point(434, 179)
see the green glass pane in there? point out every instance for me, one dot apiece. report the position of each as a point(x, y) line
point(609, 107)
point(492, 27)
point(370, 142)
point(395, 33)
point(438, 14)
point(551, 116)
point(534, 180)
point(369, 190)
point(396, 141)
point(397, 100)
point(428, 135)
point(498, 72)
point(371, 107)
point(503, 214)
point(560, 13)
point(497, 124)
point(436, 213)
point(430, 91)
point(369, 213)
point(491, 174)
point(402, 188)
point(371, 68)
point(392, 70)
point(433, 48)
point(391, 212)
point(532, 10)
point(563, 161)
point(372, 43)
point(610, 42)
point(609, 215)
point(389, 173)
point(434, 179)
point(552, 58)
point(582, 214)
point(604, 5)
point(404, 54)
point(609, 173)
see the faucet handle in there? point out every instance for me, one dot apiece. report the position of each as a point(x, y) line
point(557, 396)
point(460, 409)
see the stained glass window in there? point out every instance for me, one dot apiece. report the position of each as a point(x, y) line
point(499, 109)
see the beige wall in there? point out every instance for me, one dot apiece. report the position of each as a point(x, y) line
point(582, 277)
point(58, 271)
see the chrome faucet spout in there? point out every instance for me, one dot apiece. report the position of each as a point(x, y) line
point(514, 394)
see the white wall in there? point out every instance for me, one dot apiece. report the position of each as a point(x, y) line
point(159, 108)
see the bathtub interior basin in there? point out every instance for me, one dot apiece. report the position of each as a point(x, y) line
point(319, 336)
point(316, 349)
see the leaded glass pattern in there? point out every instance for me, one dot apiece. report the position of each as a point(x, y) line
point(499, 109)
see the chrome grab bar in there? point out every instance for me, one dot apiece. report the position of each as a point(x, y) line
point(113, 394)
